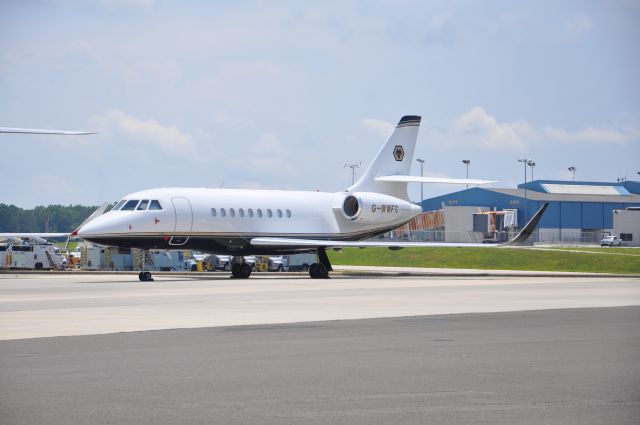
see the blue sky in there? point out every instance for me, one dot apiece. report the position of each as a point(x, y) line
point(282, 94)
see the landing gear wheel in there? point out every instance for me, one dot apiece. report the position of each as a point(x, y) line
point(245, 271)
point(145, 277)
point(313, 271)
point(318, 271)
point(240, 271)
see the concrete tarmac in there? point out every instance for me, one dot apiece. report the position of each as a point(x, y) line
point(279, 349)
point(42, 305)
point(574, 366)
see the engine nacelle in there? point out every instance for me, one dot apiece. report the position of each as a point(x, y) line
point(375, 208)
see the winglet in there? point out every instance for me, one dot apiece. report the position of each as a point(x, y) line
point(524, 234)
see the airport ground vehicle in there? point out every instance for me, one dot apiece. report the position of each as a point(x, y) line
point(38, 256)
point(300, 262)
point(611, 240)
point(291, 263)
point(277, 263)
point(218, 262)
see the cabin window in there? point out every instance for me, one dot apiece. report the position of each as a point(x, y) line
point(269, 213)
point(143, 205)
point(279, 213)
point(130, 205)
point(259, 211)
point(214, 213)
point(288, 212)
point(223, 212)
point(117, 206)
point(232, 212)
point(241, 212)
point(155, 205)
point(250, 212)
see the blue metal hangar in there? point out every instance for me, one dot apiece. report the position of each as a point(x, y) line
point(578, 211)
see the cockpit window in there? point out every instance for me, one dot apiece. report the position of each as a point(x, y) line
point(130, 205)
point(143, 204)
point(117, 206)
point(155, 205)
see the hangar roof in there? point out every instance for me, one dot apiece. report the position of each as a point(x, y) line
point(564, 197)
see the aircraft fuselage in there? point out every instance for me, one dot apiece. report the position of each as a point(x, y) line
point(224, 221)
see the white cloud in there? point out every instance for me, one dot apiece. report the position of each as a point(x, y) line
point(593, 135)
point(270, 156)
point(117, 4)
point(483, 129)
point(576, 26)
point(115, 122)
point(477, 127)
point(380, 127)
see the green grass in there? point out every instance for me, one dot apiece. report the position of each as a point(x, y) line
point(614, 250)
point(489, 259)
point(72, 245)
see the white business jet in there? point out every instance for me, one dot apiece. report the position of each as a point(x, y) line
point(249, 222)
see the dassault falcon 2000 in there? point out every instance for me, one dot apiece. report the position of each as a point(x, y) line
point(249, 222)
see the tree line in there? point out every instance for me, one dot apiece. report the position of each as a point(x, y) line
point(52, 218)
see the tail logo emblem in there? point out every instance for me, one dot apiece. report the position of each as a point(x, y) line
point(398, 153)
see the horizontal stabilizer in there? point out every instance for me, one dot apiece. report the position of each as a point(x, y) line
point(418, 179)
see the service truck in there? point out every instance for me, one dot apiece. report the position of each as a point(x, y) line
point(38, 256)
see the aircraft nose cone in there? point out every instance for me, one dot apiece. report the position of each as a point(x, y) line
point(93, 227)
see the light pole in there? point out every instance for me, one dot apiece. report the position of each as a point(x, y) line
point(525, 161)
point(573, 170)
point(532, 165)
point(353, 170)
point(623, 180)
point(421, 161)
point(466, 162)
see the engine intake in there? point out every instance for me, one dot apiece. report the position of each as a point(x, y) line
point(351, 207)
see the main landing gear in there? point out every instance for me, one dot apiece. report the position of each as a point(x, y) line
point(145, 277)
point(321, 269)
point(240, 269)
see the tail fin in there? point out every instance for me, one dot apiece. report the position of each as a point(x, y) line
point(394, 158)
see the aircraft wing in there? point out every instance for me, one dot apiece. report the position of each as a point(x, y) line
point(419, 179)
point(41, 131)
point(311, 243)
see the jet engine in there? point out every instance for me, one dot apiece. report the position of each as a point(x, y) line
point(375, 208)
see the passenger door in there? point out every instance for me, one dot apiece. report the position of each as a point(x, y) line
point(184, 215)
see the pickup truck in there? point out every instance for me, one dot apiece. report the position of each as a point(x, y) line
point(611, 241)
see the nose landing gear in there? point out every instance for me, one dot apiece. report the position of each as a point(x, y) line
point(144, 276)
